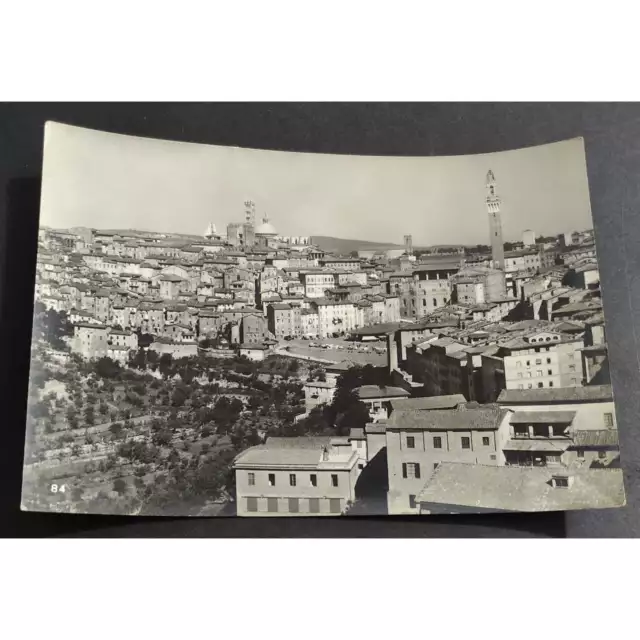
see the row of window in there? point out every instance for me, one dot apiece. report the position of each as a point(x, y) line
point(293, 479)
point(293, 505)
point(539, 373)
point(538, 361)
point(465, 442)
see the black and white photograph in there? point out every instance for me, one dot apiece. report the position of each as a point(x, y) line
point(221, 331)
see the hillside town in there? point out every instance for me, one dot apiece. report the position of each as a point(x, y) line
point(252, 373)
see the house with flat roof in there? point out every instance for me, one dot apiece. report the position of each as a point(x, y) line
point(296, 476)
point(378, 399)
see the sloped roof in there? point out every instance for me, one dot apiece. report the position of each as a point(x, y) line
point(512, 488)
point(542, 417)
point(595, 393)
point(370, 391)
point(595, 438)
point(488, 417)
point(429, 403)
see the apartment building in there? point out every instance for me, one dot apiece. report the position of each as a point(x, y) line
point(418, 440)
point(296, 476)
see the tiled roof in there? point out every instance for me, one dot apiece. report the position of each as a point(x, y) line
point(596, 393)
point(514, 488)
point(370, 391)
point(430, 403)
point(537, 445)
point(542, 417)
point(595, 438)
point(488, 417)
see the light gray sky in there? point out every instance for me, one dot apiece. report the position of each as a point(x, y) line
point(109, 181)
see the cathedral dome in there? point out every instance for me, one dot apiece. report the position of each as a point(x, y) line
point(266, 229)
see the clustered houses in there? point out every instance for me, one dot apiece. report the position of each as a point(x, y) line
point(498, 402)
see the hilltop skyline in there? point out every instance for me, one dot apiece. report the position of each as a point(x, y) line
point(109, 181)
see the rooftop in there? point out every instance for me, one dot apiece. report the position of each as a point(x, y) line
point(595, 438)
point(371, 391)
point(543, 417)
point(488, 417)
point(429, 404)
point(514, 488)
point(596, 393)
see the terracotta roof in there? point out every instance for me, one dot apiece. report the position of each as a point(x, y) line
point(488, 417)
point(370, 391)
point(542, 417)
point(558, 445)
point(514, 488)
point(595, 438)
point(596, 393)
point(429, 403)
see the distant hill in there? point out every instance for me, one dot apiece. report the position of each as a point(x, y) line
point(344, 246)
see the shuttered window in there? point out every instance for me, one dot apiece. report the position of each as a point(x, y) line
point(314, 505)
point(252, 504)
point(410, 470)
point(334, 505)
point(293, 505)
point(272, 505)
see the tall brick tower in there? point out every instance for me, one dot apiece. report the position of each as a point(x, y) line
point(495, 223)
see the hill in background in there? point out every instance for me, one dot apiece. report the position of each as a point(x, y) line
point(344, 246)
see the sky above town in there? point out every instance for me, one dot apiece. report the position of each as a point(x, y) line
point(110, 181)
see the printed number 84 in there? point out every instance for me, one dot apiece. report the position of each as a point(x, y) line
point(55, 488)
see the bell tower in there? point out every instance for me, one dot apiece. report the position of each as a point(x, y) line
point(495, 223)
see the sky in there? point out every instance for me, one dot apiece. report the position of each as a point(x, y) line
point(110, 181)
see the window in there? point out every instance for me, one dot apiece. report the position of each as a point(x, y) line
point(435, 302)
point(314, 480)
point(602, 454)
point(528, 363)
point(518, 364)
point(538, 361)
point(549, 372)
point(437, 442)
point(540, 385)
point(580, 453)
point(252, 479)
point(539, 373)
point(360, 466)
point(294, 506)
point(485, 442)
point(550, 383)
point(519, 374)
point(272, 479)
point(272, 505)
point(334, 505)
point(561, 482)
point(466, 442)
point(314, 505)
point(292, 479)
point(608, 419)
point(410, 470)
point(252, 504)
point(334, 479)
point(411, 442)
point(548, 360)
point(492, 456)
point(412, 501)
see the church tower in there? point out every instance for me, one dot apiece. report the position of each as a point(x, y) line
point(495, 223)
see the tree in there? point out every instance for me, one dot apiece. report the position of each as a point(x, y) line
point(116, 429)
point(89, 415)
point(103, 408)
point(107, 368)
point(120, 486)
